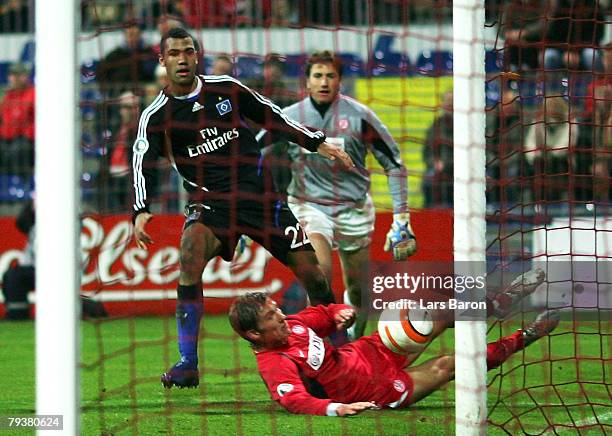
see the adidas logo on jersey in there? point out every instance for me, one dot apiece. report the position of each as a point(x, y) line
point(196, 107)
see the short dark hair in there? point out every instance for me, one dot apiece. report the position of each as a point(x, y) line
point(244, 312)
point(178, 33)
point(324, 57)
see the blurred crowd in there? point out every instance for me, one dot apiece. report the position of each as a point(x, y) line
point(549, 122)
point(549, 89)
point(18, 15)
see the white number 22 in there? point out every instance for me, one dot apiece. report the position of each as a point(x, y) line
point(296, 231)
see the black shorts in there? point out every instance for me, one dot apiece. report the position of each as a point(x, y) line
point(273, 227)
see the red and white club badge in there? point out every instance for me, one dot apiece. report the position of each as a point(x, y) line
point(298, 329)
point(399, 385)
point(343, 124)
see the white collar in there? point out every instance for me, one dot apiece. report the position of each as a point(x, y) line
point(193, 93)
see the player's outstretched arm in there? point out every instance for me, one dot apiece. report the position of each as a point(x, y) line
point(332, 151)
point(324, 320)
point(354, 408)
point(141, 236)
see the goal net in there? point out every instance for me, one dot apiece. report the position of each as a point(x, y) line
point(548, 137)
point(548, 198)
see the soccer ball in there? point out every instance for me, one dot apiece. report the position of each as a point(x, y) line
point(404, 330)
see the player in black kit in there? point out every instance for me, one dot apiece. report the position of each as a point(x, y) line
point(198, 123)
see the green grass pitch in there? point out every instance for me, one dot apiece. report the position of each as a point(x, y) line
point(121, 393)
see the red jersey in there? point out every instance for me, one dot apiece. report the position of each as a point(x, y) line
point(17, 114)
point(364, 370)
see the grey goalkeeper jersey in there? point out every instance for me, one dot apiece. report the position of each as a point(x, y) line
point(356, 128)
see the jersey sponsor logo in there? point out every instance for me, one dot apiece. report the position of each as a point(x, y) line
point(141, 146)
point(196, 107)
point(224, 107)
point(343, 124)
point(284, 388)
point(298, 329)
point(316, 351)
point(212, 141)
point(209, 132)
point(399, 385)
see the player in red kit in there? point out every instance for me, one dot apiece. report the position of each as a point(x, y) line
point(293, 359)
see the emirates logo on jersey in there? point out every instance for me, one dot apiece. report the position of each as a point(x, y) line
point(343, 124)
point(399, 385)
point(214, 139)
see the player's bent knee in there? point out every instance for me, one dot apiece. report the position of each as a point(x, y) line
point(198, 246)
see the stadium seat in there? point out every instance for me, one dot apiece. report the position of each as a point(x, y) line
point(14, 188)
point(28, 53)
point(88, 71)
point(530, 92)
point(294, 64)
point(493, 61)
point(383, 45)
point(435, 63)
point(4, 68)
point(492, 93)
point(90, 97)
point(89, 186)
point(390, 64)
point(352, 64)
point(248, 67)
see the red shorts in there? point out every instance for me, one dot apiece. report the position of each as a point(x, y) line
point(389, 385)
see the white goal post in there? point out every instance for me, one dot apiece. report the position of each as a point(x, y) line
point(58, 274)
point(57, 199)
point(469, 209)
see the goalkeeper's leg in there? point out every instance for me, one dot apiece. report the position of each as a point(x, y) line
point(355, 269)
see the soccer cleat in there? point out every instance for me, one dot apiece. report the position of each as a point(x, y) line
point(183, 375)
point(544, 323)
point(521, 286)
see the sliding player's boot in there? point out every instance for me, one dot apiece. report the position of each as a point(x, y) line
point(544, 323)
point(183, 374)
point(521, 286)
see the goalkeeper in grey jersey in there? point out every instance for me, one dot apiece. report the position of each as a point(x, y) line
point(334, 204)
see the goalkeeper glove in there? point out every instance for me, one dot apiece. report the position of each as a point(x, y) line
point(401, 239)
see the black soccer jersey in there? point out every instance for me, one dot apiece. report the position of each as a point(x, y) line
point(206, 138)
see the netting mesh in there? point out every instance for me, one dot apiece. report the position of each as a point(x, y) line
point(548, 194)
point(548, 138)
